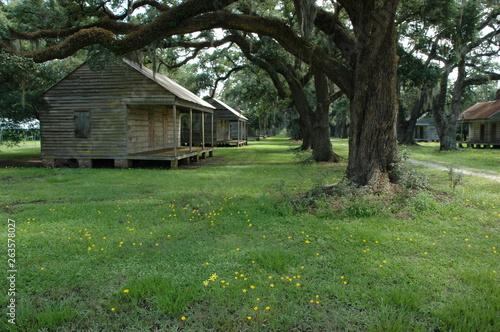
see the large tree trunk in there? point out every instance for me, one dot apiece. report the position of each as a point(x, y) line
point(448, 137)
point(320, 133)
point(315, 124)
point(344, 129)
point(407, 127)
point(322, 146)
point(446, 124)
point(301, 103)
point(374, 104)
point(306, 136)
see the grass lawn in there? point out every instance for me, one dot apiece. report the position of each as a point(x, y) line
point(24, 150)
point(473, 159)
point(220, 248)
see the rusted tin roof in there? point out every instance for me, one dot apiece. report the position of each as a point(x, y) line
point(481, 111)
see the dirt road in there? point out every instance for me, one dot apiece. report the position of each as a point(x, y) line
point(493, 176)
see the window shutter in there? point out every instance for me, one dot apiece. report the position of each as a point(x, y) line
point(82, 124)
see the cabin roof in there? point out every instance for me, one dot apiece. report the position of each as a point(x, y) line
point(481, 111)
point(219, 104)
point(163, 81)
point(425, 120)
point(168, 84)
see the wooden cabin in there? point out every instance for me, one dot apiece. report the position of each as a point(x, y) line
point(122, 116)
point(425, 129)
point(483, 120)
point(230, 126)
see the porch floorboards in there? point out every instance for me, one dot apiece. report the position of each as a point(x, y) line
point(169, 154)
point(233, 142)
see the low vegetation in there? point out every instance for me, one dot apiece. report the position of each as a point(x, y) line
point(221, 248)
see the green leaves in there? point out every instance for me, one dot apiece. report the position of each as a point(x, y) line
point(21, 84)
point(414, 72)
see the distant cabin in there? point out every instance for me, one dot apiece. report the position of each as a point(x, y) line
point(483, 120)
point(230, 126)
point(123, 116)
point(425, 129)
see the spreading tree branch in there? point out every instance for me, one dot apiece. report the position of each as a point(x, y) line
point(134, 6)
point(197, 47)
point(225, 77)
point(330, 24)
point(479, 80)
point(246, 47)
point(188, 17)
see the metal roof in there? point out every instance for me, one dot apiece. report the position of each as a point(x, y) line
point(227, 107)
point(481, 111)
point(168, 84)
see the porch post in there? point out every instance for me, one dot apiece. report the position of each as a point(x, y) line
point(212, 130)
point(174, 112)
point(203, 130)
point(239, 131)
point(190, 130)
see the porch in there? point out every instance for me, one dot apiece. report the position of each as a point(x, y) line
point(480, 145)
point(233, 142)
point(169, 157)
point(173, 155)
point(154, 136)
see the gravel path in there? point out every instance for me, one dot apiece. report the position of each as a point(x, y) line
point(463, 171)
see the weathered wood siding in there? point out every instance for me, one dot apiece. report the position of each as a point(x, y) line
point(484, 132)
point(59, 140)
point(222, 129)
point(104, 95)
point(151, 128)
point(230, 127)
point(236, 130)
point(426, 129)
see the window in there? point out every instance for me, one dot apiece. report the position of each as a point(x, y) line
point(82, 124)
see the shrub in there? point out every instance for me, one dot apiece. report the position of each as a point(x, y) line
point(408, 177)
